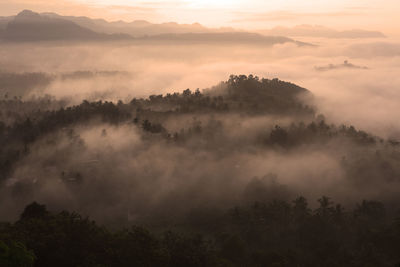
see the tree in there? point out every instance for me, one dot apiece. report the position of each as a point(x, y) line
point(34, 210)
point(279, 136)
point(15, 254)
point(325, 208)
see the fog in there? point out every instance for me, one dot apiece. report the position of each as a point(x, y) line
point(118, 176)
point(125, 175)
point(156, 69)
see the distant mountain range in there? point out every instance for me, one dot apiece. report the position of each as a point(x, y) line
point(137, 28)
point(222, 38)
point(321, 31)
point(29, 26)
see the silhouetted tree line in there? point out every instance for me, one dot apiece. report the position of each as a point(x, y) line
point(286, 137)
point(14, 109)
point(314, 132)
point(275, 233)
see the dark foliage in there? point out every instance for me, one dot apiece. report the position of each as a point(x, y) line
point(263, 230)
point(275, 233)
point(245, 95)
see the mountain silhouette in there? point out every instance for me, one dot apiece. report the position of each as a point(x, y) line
point(137, 28)
point(31, 26)
point(322, 32)
point(224, 38)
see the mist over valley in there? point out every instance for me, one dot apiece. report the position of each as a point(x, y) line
point(190, 145)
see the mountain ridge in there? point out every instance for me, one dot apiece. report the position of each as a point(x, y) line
point(306, 30)
point(138, 28)
point(32, 26)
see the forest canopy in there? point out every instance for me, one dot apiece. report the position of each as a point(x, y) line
point(213, 177)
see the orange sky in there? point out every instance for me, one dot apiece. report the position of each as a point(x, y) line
point(342, 14)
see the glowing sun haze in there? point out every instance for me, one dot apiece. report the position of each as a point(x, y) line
point(343, 14)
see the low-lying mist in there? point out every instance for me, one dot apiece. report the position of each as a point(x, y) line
point(120, 72)
point(128, 171)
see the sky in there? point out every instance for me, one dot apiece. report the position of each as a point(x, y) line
point(246, 14)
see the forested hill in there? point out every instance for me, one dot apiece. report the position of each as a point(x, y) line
point(239, 94)
point(219, 177)
point(263, 94)
point(24, 122)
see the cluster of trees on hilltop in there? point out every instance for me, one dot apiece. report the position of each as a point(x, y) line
point(275, 233)
point(243, 94)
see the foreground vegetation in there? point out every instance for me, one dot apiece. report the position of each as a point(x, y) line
point(277, 233)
